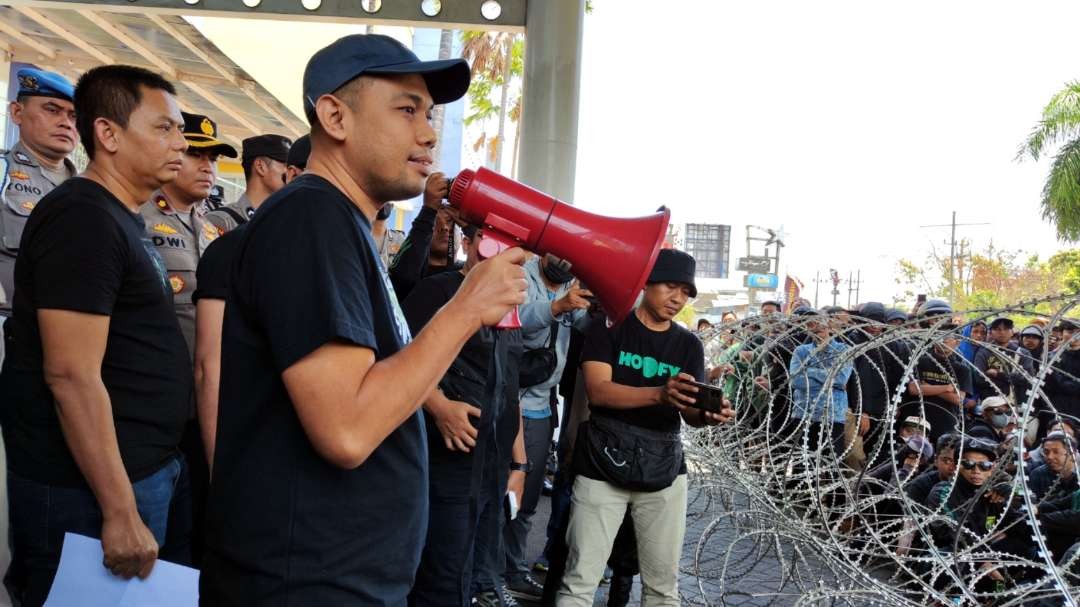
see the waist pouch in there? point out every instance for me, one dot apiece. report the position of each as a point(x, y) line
point(631, 457)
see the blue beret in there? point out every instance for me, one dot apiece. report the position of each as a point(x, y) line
point(39, 83)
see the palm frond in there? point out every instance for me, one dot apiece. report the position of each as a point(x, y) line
point(1060, 121)
point(1061, 194)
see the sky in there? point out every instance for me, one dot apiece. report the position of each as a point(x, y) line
point(848, 123)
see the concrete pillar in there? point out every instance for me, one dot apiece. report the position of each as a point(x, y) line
point(552, 86)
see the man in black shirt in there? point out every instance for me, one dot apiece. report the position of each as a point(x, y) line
point(637, 376)
point(99, 383)
point(942, 378)
point(212, 285)
point(475, 442)
point(428, 248)
point(319, 493)
point(993, 360)
point(944, 469)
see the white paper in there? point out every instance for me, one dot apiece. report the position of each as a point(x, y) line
point(83, 581)
point(512, 498)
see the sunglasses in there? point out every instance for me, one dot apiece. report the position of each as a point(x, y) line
point(985, 466)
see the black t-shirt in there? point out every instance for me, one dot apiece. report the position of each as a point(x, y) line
point(285, 526)
point(84, 251)
point(942, 415)
point(484, 374)
point(212, 275)
point(640, 357)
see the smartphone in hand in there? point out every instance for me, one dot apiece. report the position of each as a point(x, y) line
point(708, 397)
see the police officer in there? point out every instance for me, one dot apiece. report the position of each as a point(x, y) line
point(264, 161)
point(177, 227)
point(387, 240)
point(176, 216)
point(44, 111)
point(298, 156)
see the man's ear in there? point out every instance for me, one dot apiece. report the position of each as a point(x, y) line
point(106, 133)
point(333, 115)
point(15, 111)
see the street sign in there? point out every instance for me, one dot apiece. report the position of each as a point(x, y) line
point(756, 265)
point(761, 281)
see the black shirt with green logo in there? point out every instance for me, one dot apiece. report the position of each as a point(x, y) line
point(640, 357)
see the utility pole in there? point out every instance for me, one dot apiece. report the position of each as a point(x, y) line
point(817, 287)
point(858, 284)
point(952, 251)
point(850, 288)
point(834, 276)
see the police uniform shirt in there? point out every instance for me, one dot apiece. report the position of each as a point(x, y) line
point(226, 220)
point(27, 183)
point(180, 239)
point(389, 245)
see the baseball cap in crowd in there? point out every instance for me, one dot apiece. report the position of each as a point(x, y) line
point(274, 147)
point(202, 134)
point(374, 54)
point(994, 402)
point(1001, 322)
point(674, 266)
point(1060, 437)
point(921, 446)
point(934, 307)
point(981, 445)
point(894, 314)
point(40, 83)
point(916, 421)
point(873, 310)
point(1032, 330)
point(299, 152)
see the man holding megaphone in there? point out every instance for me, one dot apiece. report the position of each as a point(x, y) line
point(319, 495)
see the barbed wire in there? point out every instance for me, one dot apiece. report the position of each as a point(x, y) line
point(795, 496)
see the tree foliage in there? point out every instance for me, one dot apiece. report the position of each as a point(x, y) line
point(990, 278)
point(1059, 129)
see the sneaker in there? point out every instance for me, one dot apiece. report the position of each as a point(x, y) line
point(525, 587)
point(487, 599)
point(508, 599)
point(541, 565)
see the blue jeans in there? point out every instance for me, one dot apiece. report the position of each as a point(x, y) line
point(41, 514)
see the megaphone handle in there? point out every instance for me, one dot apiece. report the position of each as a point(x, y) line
point(510, 321)
point(490, 247)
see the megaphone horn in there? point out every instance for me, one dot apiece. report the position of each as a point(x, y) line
point(612, 255)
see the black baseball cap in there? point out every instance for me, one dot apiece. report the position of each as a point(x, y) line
point(274, 147)
point(981, 445)
point(1001, 321)
point(674, 266)
point(352, 56)
point(299, 152)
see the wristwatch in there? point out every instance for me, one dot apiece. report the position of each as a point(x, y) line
point(520, 467)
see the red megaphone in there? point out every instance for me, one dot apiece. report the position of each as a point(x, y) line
point(612, 255)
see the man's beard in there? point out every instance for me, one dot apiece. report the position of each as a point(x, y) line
point(382, 190)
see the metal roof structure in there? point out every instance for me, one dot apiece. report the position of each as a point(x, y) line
point(73, 40)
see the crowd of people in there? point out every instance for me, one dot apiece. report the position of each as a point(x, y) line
point(919, 434)
point(310, 407)
point(316, 409)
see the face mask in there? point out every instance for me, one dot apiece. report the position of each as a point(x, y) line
point(556, 273)
point(999, 420)
point(384, 212)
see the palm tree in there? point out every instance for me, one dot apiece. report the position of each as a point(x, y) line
point(496, 58)
point(438, 115)
point(1060, 124)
